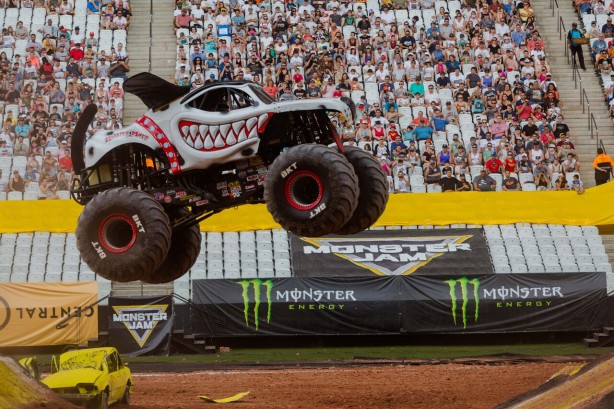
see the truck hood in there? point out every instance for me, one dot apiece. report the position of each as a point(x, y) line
point(71, 377)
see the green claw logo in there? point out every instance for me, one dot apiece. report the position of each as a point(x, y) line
point(464, 282)
point(256, 284)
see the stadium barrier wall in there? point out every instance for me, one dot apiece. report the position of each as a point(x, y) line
point(566, 207)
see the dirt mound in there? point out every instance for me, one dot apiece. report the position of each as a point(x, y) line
point(19, 390)
point(587, 387)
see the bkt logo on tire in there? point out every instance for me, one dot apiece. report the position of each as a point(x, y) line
point(99, 249)
point(287, 171)
point(139, 225)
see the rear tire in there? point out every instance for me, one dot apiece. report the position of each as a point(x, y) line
point(373, 191)
point(123, 234)
point(311, 190)
point(185, 246)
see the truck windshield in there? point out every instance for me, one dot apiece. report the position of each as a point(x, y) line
point(261, 93)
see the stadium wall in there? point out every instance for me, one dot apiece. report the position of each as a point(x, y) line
point(486, 208)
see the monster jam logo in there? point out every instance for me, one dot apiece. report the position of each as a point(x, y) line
point(464, 283)
point(140, 320)
point(256, 284)
point(388, 256)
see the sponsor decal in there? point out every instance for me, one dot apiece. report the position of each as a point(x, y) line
point(130, 134)
point(464, 283)
point(5, 313)
point(259, 295)
point(99, 249)
point(139, 225)
point(180, 194)
point(194, 199)
point(221, 185)
point(202, 202)
point(140, 320)
point(317, 210)
point(225, 192)
point(251, 178)
point(261, 180)
point(256, 285)
point(188, 198)
point(250, 186)
point(468, 292)
point(171, 192)
point(287, 171)
point(387, 256)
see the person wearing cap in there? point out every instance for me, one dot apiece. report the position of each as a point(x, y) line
point(484, 182)
point(608, 28)
point(599, 45)
point(576, 49)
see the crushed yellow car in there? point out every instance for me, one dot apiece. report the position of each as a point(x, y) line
point(96, 377)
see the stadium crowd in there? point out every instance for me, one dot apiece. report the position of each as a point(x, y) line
point(56, 57)
point(450, 95)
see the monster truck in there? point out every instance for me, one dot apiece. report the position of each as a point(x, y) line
point(147, 186)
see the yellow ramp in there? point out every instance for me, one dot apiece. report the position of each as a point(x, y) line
point(589, 209)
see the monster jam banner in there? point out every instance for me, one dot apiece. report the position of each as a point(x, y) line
point(401, 304)
point(392, 253)
point(141, 325)
point(38, 314)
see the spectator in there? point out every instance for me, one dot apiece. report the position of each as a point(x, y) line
point(561, 182)
point(483, 182)
point(510, 183)
point(576, 184)
point(17, 183)
point(449, 183)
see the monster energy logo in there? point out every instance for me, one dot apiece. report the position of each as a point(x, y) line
point(464, 281)
point(256, 284)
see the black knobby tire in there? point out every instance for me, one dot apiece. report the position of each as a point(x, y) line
point(126, 397)
point(373, 191)
point(185, 246)
point(123, 234)
point(99, 402)
point(311, 190)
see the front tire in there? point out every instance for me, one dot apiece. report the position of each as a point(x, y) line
point(100, 402)
point(311, 190)
point(126, 397)
point(373, 191)
point(185, 246)
point(123, 234)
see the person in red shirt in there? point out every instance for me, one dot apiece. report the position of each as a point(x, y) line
point(65, 161)
point(494, 165)
point(509, 163)
point(524, 111)
point(76, 52)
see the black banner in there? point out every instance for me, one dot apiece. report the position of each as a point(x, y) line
point(141, 325)
point(392, 253)
point(505, 303)
point(403, 304)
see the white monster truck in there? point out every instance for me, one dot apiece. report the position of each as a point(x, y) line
point(195, 153)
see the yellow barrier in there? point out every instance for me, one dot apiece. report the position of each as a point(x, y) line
point(591, 208)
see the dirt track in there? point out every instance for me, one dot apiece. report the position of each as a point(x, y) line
point(425, 386)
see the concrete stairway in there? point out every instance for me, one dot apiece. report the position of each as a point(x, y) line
point(151, 46)
point(570, 95)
